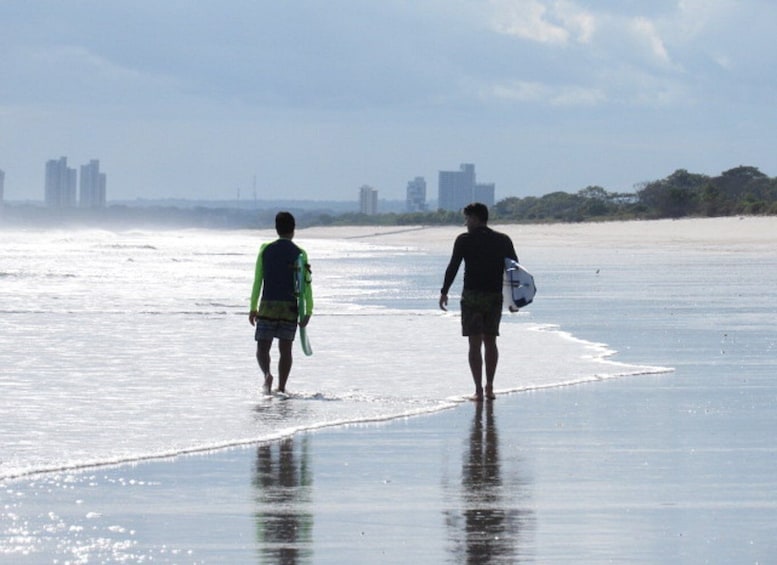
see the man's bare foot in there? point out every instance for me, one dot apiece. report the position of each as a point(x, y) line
point(267, 387)
point(478, 396)
point(490, 392)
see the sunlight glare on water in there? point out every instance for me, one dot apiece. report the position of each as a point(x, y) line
point(136, 344)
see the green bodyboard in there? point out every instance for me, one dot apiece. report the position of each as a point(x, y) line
point(301, 287)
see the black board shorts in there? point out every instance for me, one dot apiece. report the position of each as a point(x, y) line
point(276, 319)
point(481, 312)
point(269, 329)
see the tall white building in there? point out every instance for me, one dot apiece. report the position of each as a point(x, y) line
point(368, 200)
point(456, 189)
point(91, 186)
point(416, 195)
point(60, 188)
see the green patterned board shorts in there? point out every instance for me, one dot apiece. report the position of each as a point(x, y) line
point(481, 312)
point(276, 319)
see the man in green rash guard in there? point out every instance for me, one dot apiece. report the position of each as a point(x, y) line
point(483, 251)
point(277, 315)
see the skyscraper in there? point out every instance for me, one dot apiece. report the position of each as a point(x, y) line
point(368, 200)
point(456, 189)
point(92, 186)
point(484, 192)
point(416, 195)
point(60, 188)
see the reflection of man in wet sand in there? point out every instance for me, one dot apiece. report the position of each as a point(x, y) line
point(284, 522)
point(481, 477)
point(492, 525)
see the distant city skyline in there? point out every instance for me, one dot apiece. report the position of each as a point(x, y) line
point(456, 189)
point(59, 189)
point(318, 99)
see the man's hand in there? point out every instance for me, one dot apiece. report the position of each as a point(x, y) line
point(443, 302)
point(252, 316)
point(304, 321)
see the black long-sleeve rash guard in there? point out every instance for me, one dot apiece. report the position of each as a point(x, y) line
point(483, 251)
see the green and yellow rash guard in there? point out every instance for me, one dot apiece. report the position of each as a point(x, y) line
point(274, 278)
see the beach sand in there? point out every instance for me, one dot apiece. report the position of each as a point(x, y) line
point(635, 470)
point(722, 233)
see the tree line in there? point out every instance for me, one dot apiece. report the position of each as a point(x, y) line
point(742, 190)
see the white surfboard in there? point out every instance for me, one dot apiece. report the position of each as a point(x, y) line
point(519, 288)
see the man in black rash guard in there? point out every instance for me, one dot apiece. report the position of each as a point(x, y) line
point(483, 251)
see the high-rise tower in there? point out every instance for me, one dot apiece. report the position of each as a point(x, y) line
point(60, 187)
point(456, 189)
point(92, 186)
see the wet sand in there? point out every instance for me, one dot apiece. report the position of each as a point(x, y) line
point(544, 477)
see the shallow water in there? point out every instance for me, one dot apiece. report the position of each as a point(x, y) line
point(124, 346)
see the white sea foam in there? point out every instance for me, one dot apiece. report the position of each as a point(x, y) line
point(119, 347)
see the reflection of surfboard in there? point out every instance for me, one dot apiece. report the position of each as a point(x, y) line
point(519, 288)
point(301, 272)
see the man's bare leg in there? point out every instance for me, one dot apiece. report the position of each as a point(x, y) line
point(476, 365)
point(492, 359)
point(284, 363)
point(263, 357)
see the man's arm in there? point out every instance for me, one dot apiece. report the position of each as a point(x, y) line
point(511, 249)
point(450, 272)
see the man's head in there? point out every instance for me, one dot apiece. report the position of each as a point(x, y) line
point(476, 214)
point(284, 224)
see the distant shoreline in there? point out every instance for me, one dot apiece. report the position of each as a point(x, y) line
point(741, 233)
point(132, 217)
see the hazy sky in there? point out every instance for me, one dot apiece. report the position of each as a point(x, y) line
point(182, 98)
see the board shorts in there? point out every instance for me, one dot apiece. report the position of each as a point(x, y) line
point(481, 312)
point(276, 319)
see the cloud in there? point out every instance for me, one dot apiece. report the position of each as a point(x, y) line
point(556, 23)
point(69, 75)
point(528, 19)
point(648, 38)
point(535, 92)
point(581, 22)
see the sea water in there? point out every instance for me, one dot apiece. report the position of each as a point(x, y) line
point(123, 346)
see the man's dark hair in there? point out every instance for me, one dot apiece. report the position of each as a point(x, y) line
point(284, 223)
point(477, 209)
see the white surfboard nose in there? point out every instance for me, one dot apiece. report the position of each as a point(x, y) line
point(519, 288)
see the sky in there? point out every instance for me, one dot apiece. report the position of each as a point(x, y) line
point(306, 99)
